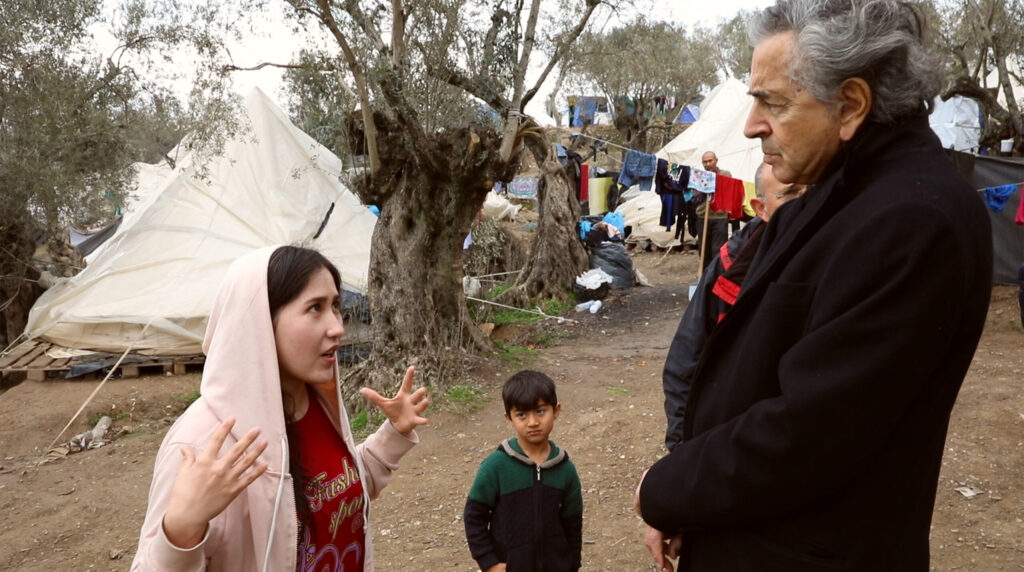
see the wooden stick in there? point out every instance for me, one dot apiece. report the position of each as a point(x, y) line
point(704, 235)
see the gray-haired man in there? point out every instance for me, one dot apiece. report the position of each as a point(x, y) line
point(815, 423)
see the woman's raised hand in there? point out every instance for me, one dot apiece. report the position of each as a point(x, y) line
point(206, 485)
point(405, 409)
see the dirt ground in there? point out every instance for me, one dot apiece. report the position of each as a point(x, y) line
point(83, 512)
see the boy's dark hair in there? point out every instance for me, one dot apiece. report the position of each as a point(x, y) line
point(524, 389)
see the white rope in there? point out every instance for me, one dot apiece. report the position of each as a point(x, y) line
point(16, 340)
point(497, 274)
point(537, 312)
point(100, 386)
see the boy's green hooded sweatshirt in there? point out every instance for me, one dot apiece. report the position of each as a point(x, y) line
point(526, 515)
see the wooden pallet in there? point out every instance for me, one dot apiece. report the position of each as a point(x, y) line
point(32, 357)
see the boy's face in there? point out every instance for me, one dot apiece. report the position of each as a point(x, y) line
point(534, 425)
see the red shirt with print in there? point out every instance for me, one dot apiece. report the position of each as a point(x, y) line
point(332, 538)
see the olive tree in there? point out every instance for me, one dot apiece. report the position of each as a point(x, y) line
point(440, 88)
point(640, 62)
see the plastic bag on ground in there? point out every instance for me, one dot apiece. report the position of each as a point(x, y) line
point(614, 260)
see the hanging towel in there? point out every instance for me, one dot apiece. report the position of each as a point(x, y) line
point(749, 192)
point(1020, 208)
point(702, 181)
point(728, 196)
point(996, 197)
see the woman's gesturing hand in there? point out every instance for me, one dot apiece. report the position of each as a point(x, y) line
point(405, 409)
point(207, 484)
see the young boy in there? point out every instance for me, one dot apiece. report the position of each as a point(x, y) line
point(525, 510)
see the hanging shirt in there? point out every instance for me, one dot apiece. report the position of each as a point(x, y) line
point(668, 178)
point(728, 196)
point(680, 175)
point(333, 539)
point(996, 197)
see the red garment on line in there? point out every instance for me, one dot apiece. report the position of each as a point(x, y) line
point(584, 181)
point(728, 196)
point(1020, 209)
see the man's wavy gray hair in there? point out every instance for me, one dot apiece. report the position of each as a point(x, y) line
point(879, 41)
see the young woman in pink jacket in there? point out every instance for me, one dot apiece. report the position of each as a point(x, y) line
point(261, 472)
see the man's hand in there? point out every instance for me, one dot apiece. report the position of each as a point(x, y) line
point(661, 548)
point(636, 495)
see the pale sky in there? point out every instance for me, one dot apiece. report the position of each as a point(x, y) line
point(280, 43)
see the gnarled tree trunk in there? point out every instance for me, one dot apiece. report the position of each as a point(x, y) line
point(425, 216)
point(18, 289)
point(556, 255)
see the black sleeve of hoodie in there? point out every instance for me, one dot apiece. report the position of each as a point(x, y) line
point(477, 518)
point(572, 524)
point(573, 527)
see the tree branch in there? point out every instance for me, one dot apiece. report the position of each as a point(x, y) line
point(514, 113)
point(364, 23)
point(369, 127)
point(479, 87)
point(397, 34)
point(261, 65)
point(563, 47)
point(497, 19)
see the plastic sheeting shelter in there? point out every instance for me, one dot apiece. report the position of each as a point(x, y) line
point(152, 286)
point(720, 129)
point(689, 114)
point(957, 122)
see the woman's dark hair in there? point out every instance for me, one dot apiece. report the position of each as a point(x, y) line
point(288, 272)
point(524, 389)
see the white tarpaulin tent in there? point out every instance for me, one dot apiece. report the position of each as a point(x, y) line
point(992, 80)
point(957, 123)
point(643, 213)
point(153, 285)
point(720, 129)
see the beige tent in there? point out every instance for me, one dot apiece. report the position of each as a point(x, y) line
point(152, 286)
point(720, 129)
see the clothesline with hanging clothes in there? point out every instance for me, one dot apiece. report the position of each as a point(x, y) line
point(997, 196)
point(591, 137)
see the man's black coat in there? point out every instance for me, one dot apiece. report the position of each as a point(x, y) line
point(819, 408)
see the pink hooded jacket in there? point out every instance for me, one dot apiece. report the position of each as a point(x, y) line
point(258, 530)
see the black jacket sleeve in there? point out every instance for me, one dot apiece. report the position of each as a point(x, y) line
point(477, 518)
point(693, 331)
point(573, 524)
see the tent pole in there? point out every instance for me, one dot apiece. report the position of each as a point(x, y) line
point(704, 235)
